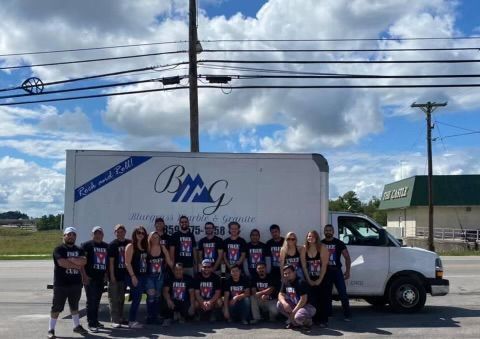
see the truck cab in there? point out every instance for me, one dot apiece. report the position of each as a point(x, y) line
point(382, 270)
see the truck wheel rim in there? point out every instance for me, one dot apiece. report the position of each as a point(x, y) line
point(407, 295)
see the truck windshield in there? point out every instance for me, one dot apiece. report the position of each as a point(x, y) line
point(357, 231)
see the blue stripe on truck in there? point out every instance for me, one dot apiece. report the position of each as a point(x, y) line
point(108, 176)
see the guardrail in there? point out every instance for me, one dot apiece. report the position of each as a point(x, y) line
point(449, 234)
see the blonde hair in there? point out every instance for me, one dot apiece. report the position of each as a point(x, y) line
point(150, 240)
point(284, 248)
point(317, 240)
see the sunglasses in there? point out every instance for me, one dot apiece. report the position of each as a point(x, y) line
point(291, 239)
point(141, 233)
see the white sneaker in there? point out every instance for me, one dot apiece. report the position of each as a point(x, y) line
point(134, 325)
point(116, 325)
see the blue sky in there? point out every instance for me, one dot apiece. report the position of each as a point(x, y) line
point(370, 137)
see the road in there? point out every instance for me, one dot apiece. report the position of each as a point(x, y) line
point(25, 305)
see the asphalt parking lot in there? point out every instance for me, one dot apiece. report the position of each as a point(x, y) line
point(25, 305)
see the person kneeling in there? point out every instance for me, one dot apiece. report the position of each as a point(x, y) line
point(179, 296)
point(264, 296)
point(236, 297)
point(293, 300)
point(207, 291)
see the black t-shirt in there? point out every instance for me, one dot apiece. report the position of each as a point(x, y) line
point(236, 287)
point(180, 288)
point(210, 247)
point(116, 250)
point(314, 265)
point(97, 259)
point(273, 251)
point(66, 276)
point(156, 264)
point(294, 290)
point(184, 245)
point(207, 286)
point(261, 284)
point(165, 239)
point(256, 254)
point(234, 249)
point(139, 262)
point(335, 249)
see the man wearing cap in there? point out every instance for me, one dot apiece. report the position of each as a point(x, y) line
point(117, 274)
point(69, 260)
point(207, 291)
point(94, 275)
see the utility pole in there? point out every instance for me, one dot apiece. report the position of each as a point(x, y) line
point(192, 76)
point(428, 109)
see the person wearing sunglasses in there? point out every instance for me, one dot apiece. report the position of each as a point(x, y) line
point(136, 263)
point(290, 255)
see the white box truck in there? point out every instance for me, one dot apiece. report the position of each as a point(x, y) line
point(133, 188)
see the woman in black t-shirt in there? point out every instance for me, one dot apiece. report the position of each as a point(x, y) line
point(136, 263)
point(290, 255)
point(314, 258)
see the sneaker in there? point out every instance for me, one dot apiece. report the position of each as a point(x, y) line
point(124, 322)
point(134, 325)
point(80, 330)
point(93, 329)
point(347, 319)
point(254, 321)
point(99, 325)
point(307, 325)
point(323, 325)
point(244, 322)
point(167, 322)
point(116, 325)
point(51, 334)
point(181, 320)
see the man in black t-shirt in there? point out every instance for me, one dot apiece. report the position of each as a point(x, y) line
point(293, 300)
point(236, 297)
point(211, 247)
point(69, 260)
point(183, 245)
point(264, 295)
point(207, 291)
point(179, 296)
point(273, 251)
point(235, 247)
point(336, 249)
point(160, 229)
point(256, 252)
point(117, 274)
point(94, 275)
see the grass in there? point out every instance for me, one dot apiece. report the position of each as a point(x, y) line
point(459, 252)
point(15, 241)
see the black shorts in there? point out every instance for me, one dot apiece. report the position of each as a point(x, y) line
point(62, 293)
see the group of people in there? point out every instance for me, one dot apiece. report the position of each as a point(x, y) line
point(216, 278)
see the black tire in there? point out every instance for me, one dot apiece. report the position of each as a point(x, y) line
point(407, 295)
point(376, 301)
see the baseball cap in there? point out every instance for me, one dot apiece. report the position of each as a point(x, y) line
point(206, 262)
point(97, 228)
point(118, 226)
point(69, 230)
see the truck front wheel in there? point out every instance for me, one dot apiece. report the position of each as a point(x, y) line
point(407, 295)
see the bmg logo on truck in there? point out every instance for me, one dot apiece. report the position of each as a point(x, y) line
point(187, 188)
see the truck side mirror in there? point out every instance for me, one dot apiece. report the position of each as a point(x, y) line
point(382, 237)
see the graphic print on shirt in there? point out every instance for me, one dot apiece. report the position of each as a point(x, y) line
point(142, 265)
point(314, 267)
point(185, 247)
point(255, 257)
point(206, 289)
point(209, 251)
point(121, 257)
point(156, 265)
point(100, 258)
point(295, 261)
point(179, 290)
point(275, 255)
point(292, 295)
point(332, 255)
point(72, 270)
point(233, 253)
point(236, 290)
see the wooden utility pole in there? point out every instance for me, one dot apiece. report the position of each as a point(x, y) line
point(428, 108)
point(192, 76)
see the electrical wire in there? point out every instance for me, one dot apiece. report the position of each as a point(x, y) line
point(462, 128)
point(438, 61)
point(343, 39)
point(340, 76)
point(91, 60)
point(342, 50)
point(459, 135)
point(93, 48)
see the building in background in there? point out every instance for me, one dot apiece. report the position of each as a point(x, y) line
point(456, 200)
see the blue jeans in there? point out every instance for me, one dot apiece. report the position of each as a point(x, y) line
point(241, 310)
point(336, 278)
point(154, 282)
point(136, 294)
point(94, 292)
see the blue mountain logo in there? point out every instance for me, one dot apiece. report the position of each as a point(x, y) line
point(188, 188)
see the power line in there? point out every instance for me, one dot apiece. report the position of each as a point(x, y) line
point(92, 48)
point(459, 135)
point(343, 39)
point(463, 128)
point(247, 87)
point(344, 50)
point(437, 61)
point(91, 60)
point(341, 76)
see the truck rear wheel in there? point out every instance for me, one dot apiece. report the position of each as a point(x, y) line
point(376, 301)
point(407, 295)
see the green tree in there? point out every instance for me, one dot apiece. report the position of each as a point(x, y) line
point(13, 215)
point(49, 222)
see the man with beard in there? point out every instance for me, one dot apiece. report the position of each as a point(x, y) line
point(256, 252)
point(118, 272)
point(211, 247)
point(264, 295)
point(336, 249)
point(160, 229)
point(179, 296)
point(69, 260)
point(274, 246)
point(207, 291)
point(94, 275)
point(236, 297)
point(182, 246)
point(235, 247)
